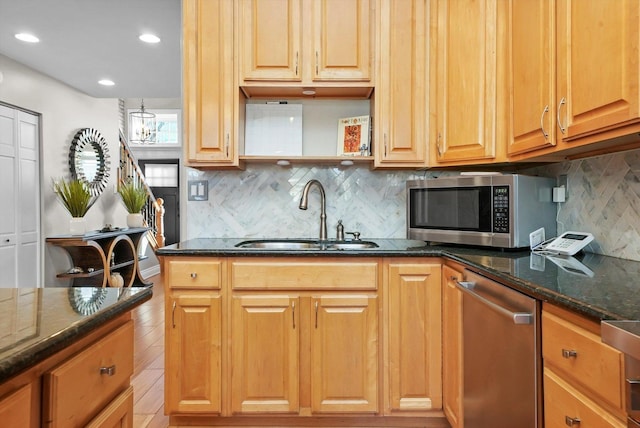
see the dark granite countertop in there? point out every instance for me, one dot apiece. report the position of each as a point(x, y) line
point(46, 320)
point(598, 287)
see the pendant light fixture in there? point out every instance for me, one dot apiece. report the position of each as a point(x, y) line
point(142, 126)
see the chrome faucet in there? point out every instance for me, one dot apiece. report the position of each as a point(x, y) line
point(323, 212)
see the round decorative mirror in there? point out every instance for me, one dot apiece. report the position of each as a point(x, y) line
point(89, 159)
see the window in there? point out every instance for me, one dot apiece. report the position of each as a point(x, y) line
point(168, 130)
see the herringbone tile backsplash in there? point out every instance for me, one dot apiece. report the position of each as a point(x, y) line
point(604, 199)
point(262, 202)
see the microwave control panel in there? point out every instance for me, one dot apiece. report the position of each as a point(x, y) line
point(501, 209)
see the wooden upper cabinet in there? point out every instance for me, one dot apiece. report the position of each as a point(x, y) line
point(402, 97)
point(210, 95)
point(466, 104)
point(531, 75)
point(289, 44)
point(341, 40)
point(598, 70)
point(271, 39)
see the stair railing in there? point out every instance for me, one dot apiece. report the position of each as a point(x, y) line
point(153, 211)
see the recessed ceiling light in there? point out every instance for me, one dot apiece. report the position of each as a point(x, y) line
point(149, 38)
point(26, 37)
point(106, 82)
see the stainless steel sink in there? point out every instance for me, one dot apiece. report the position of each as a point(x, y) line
point(280, 244)
point(303, 244)
point(352, 245)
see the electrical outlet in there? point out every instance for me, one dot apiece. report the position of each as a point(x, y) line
point(564, 181)
point(536, 237)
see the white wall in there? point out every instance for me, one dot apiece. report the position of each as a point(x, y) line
point(63, 111)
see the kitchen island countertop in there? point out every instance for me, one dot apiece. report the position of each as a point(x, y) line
point(50, 319)
point(599, 287)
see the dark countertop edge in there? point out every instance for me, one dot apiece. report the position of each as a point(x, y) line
point(526, 287)
point(29, 357)
point(534, 290)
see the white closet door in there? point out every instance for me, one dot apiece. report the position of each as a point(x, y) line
point(20, 193)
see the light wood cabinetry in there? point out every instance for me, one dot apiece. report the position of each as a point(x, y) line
point(193, 335)
point(210, 92)
point(93, 377)
point(412, 290)
point(585, 75)
point(583, 377)
point(265, 347)
point(344, 353)
point(303, 341)
point(16, 409)
point(467, 76)
point(403, 86)
point(287, 44)
point(452, 355)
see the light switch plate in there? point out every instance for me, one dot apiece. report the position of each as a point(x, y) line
point(536, 237)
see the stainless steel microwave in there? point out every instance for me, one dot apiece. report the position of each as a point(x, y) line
point(484, 210)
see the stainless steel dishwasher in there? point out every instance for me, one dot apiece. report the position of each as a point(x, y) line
point(501, 355)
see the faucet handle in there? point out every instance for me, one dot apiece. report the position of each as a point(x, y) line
point(340, 231)
point(356, 235)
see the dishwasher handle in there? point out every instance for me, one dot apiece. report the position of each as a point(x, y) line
point(516, 317)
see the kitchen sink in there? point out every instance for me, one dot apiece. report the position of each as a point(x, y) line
point(303, 244)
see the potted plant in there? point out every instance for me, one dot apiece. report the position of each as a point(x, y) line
point(77, 199)
point(134, 198)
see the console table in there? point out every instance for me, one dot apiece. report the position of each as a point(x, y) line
point(100, 254)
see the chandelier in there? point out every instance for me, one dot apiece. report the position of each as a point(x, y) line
point(142, 126)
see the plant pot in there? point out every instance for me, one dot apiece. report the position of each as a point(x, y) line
point(77, 226)
point(135, 220)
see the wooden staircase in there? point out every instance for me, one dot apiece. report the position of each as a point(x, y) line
point(153, 212)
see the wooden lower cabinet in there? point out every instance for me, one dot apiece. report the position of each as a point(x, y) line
point(583, 377)
point(452, 352)
point(193, 340)
point(413, 332)
point(16, 408)
point(291, 341)
point(265, 347)
point(344, 353)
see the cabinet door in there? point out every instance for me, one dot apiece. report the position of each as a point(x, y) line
point(344, 354)
point(15, 409)
point(270, 39)
point(598, 73)
point(452, 347)
point(265, 346)
point(210, 93)
point(466, 79)
point(403, 82)
point(415, 336)
point(531, 76)
point(341, 39)
point(192, 335)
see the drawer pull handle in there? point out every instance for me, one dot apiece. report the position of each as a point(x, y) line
point(194, 275)
point(569, 353)
point(109, 371)
point(571, 421)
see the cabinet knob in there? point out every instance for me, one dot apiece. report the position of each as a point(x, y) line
point(194, 275)
point(569, 421)
point(109, 371)
point(569, 353)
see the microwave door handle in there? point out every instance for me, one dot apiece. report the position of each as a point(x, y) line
point(516, 317)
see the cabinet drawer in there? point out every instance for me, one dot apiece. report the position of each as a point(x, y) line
point(202, 272)
point(78, 389)
point(584, 359)
point(326, 274)
point(561, 401)
point(119, 413)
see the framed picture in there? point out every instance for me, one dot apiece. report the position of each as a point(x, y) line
point(353, 136)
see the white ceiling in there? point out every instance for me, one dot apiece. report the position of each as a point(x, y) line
point(83, 41)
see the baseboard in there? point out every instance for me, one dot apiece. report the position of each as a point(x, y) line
point(150, 271)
